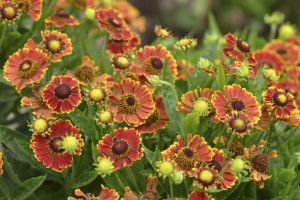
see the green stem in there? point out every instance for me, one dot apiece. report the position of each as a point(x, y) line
point(230, 140)
point(119, 180)
point(171, 187)
point(3, 33)
point(186, 185)
point(273, 31)
point(186, 69)
point(11, 174)
point(130, 174)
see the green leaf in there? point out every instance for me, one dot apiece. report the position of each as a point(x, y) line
point(82, 179)
point(151, 156)
point(84, 123)
point(220, 77)
point(213, 24)
point(27, 188)
point(287, 175)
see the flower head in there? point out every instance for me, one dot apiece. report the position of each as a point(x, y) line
point(104, 166)
point(40, 125)
point(162, 32)
point(185, 44)
point(286, 30)
point(121, 62)
point(60, 19)
point(105, 117)
point(122, 46)
point(31, 7)
point(165, 168)
point(9, 11)
point(105, 194)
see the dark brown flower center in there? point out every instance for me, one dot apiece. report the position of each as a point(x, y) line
point(27, 69)
point(243, 46)
point(238, 124)
point(280, 99)
point(114, 23)
point(156, 63)
point(261, 163)
point(186, 158)
point(62, 14)
point(128, 103)
point(63, 91)
point(237, 148)
point(238, 105)
point(84, 74)
point(281, 51)
point(266, 64)
point(55, 145)
point(120, 147)
point(216, 165)
point(9, 11)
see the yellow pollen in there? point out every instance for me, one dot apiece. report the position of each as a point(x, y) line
point(40, 125)
point(123, 61)
point(166, 168)
point(282, 98)
point(201, 107)
point(184, 42)
point(25, 66)
point(206, 176)
point(70, 144)
point(54, 45)
point(105, 117)
point(97, 94)
point(9, 11)
point(239, 123)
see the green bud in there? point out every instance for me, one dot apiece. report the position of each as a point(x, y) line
point(270, 74)
point(237, 166)
point(204, 63)
point(155, 81)
point(286, 30)
point(274, 18)
point(177, 177)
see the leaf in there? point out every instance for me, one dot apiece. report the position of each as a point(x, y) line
point(287, 175)
point(151, 156)
point(83, 123)
point(191, 123)
point(82, 179)
point(27, 188)
point(213, 24)
point(220, 77)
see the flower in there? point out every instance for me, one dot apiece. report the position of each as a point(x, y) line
point(150, 60)
point(291, 86)
point(98, 95)
point(112, 22)
point(56, 44)
point(269, 60)
point(90, 13)
point(123, 46)
point(31, 7)
point(162, 32)
point(40, 125)
point(270, 74)
point(1, 163)
point(9, 11)
point(289, 52)
point(121, 62)
point(85, 73)
point(105, 194)
point(239, 124)
point(62, 94)
point(104, 166)
point(56, 150)
point(280, 101)
point(187, 154)
point(238, 49)
point(286, 30)
point(265, 119)
point(123, 148)
point(157, 120)
point(294, 72)
point(199, 196)
point(184, 70)
point(131, 102)
point(237, 166)
point(165, 168)
point(24, 67)
point(259, 163)
point(205, 178)
point(198, 101)
point(237, 148)
point(236, 99)
point(61, 19)
point(185, 44)
point(105, 118)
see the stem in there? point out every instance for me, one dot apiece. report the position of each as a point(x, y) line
point(130, 174)
point(119, 180)
point(11, 174)
point(273, 31)
point(230, 140)
point(171, 187)
point(186, 186)
point(186, 69)
point(3, 33)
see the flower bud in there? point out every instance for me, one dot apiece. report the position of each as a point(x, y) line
point(90, 13)
point(270, 74)
point(274, 18)
point(70, 144)
point(177, 177)
point(202, 108)
point(243, 71)
point(104, 166)
point(165, 168)
point(204, 64)
point(237, 166)
point(155, 81)
point(286, 30)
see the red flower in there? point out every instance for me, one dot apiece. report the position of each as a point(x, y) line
point(199, 196)
point(62, 94)
point(238, 49)
point(56, 44)
point(187, 154)
point(268, 59)
point(123, 148)
point(52, 149)
point(9, 11)
point(131, 102)
point(105, 194)
point(280, 101)
point(150, 61)
point(32, 7)
point(123, 46)
point(239, 124)
point(289, 52)
point(24, 67)
point(111, 21)
point(294, 72)
point(236, 100)
point(158, 120)
point(292, 87)
point(61, 19)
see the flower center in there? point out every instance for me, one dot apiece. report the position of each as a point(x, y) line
point(120, 148)
point(283, 53)
point(216, 165)
point(156, 63)
point(114, 23)
point(63, 91)
point(84, 74)
point(55, 145)
point(121, 62)
point(40, 125)
point(261, 163)
point(243, 46)
point(186, 158)
point(280, 99)
point(238, 124)
point(266, 64)
point(153, 65)
point(54, 45)
point(128, 103)
point(27, 69)
point(97, 95)
point(9, 11)
point(106, 117)
point(62, 14)
point(237, 148)
point(202, 107)
point(237, 105)
point(206, 177)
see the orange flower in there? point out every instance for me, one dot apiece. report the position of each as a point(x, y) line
point(238, 49)
point(62, 94)
point(265, 119)
point(31, 7)
point(132, 102)
point(24, 67)
point(61, 19)
point(123, 46)
point(183, 69)
point(111, 21)
point(236, 99)
point(123, 148)
point(199, 196)
point(259, 163)
point(105, 194)
point(280, 101)
point(294, 72)
point(294, 40)
point(292, 87)
point(9, 11)
point(1, 163)
point(239, 124)
point(158, 120)
point(150, 61)
point(85, 73)
point(53, 150)
point(187, 154)
point(205, 177)
point(56, 44)
point(268, 59)
point(289, 52)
